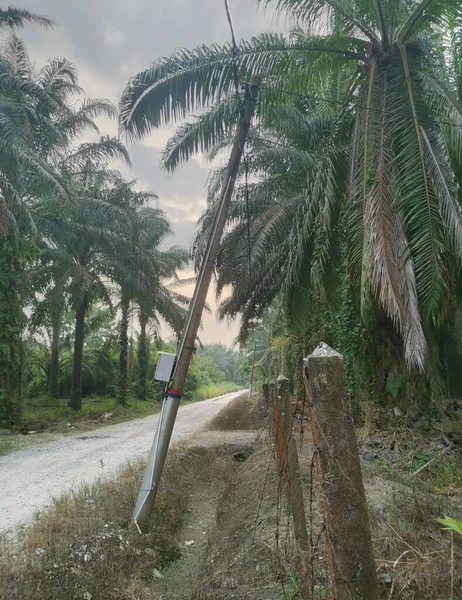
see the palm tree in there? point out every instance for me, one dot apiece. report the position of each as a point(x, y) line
point(97, 363)
point(47, 313)
point(23, 176)
point(272, 219)
point(89, 246)
point(55, 143)
point(400, 117)
point(156, 297)
point(131, 283)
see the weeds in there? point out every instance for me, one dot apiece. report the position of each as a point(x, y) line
point(44, 413)
point(218, 389)
point(85, 547)
point(239, 414)
point(291, 588)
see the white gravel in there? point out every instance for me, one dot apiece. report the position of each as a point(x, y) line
point(30, 478)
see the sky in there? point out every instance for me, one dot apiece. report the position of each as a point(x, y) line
point(111, 40)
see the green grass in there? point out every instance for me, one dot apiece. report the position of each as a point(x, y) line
point(84, 546)
point(51, 417)
point(7, 445)
point(218, 389)
point(42, 413)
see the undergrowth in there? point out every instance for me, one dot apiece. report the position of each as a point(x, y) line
point(240, 414)
point(217, 389)
point(42, 413)
point(84, 546)
point(419, 459)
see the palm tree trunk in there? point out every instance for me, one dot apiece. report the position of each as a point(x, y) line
point(143, 356)
point(75, 399)
point(123, 360)
point(53, 382)
point(11, 329)
point(131, 358)
point(400, 390)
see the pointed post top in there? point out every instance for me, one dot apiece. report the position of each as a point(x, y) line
point(325, 351)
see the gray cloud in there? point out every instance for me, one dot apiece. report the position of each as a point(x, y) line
point(118, 38)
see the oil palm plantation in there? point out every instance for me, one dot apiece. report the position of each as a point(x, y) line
point(54, 140)
point(38, 164)
point(124, 195)
point(50, 297)
point(400, 117)
point(23, 176)
point(98, 367)
point(90, 251)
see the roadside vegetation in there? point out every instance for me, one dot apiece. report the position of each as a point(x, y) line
point(216, 519)
point(84, 547)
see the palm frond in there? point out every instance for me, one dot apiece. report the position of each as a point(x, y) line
point(315, 13)
point(96, 152)
point(429, 12)
point(17, 18)
point(58, 75)
point(191, 80)
point(200, 135)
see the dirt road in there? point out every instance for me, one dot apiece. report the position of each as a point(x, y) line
point(30, 478)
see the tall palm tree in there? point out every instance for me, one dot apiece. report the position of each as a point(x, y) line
point(47, 313)
point(54, 123)
point(280, 219)
point(54, 135)
point(156, 297)
point(400, 116)
point(123, 194)
point(133, 284)
point(46, 278)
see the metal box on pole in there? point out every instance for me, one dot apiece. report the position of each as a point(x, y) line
point(165, 366)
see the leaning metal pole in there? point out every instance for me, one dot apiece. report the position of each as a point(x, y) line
point(154, 467)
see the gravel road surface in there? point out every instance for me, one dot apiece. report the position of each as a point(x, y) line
point(30, 478)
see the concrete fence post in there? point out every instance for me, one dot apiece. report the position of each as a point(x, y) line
point(348, 535)
point(294, 489)
point(265, 399)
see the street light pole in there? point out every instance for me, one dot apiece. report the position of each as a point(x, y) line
point(154, 467)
